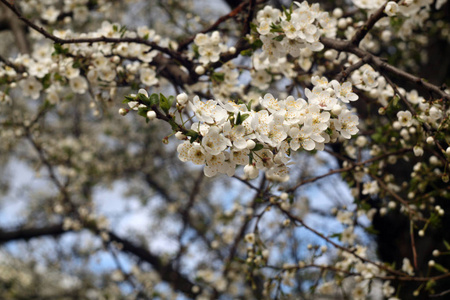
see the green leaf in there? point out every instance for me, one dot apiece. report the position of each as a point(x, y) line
point(154, 99)
point(46, 105)
point(279, 38)
point(144, 99)
point(218, 77)
point(46, 81)
point(164, 103)
point(142, 111)
point(128, 99)
point(338, 235)
point(440, 268)
point(76, 64)
point(241, 118)
point(193, 134)
point(59, 49)
point(430, 285)
point(288, 13)
point(372, 230)
point(195, 49)
point(276, 28)
point(447, 245)
point(122, 31)
point(395, 101)
point(173, 124)
point(258, 147)
point(249, 105)
point(377, 137)
point(257, 44)
point(247, 52)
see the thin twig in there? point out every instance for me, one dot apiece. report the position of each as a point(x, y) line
point(378, 63)
point(345, 169)
point(364, 30)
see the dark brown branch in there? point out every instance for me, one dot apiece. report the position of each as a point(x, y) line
point(378, 63)
point(18, 31)
point(342, 76)
point(364, 30)
point(8, 63)
point(346, 169)
point(166, 271)
point(103, 39)
point(216, 24)
point(241, 232)
point(29, 233)
point(299, 221)
point(249, 18)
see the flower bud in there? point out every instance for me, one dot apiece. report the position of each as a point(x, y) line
point(250, 144)
point(391, 9)
point(151, 115)
point(123, 111)
point(179, 135)
point(418, 151)
point(342, 23)
point(251, 172)
point(338, 13)
point(182, 98)
point(284, 196)
point(144, 92)
point(250, 238)
point(337, 109)
point(199, 70)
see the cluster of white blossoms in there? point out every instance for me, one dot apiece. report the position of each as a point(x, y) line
point(209, 47)
point(229, 134)
point(415, 12)
point(292, 30)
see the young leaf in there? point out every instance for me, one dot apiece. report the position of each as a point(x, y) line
point(142, 111)
point(241, 118)
point(164, 103)
point(144, 99)
point(440, 268)
point(447, 245)
point(258, 147)
point(279, 38)
point(173, 124)
point(154, 99)
point(218, 77)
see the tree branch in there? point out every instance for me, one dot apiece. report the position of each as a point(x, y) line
point(166, 271)
point(103, 39)
point(378, 63)
point(183, 45)
point(29, 233)
point(364, 30)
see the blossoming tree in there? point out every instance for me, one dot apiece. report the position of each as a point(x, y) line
point(281, 152)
